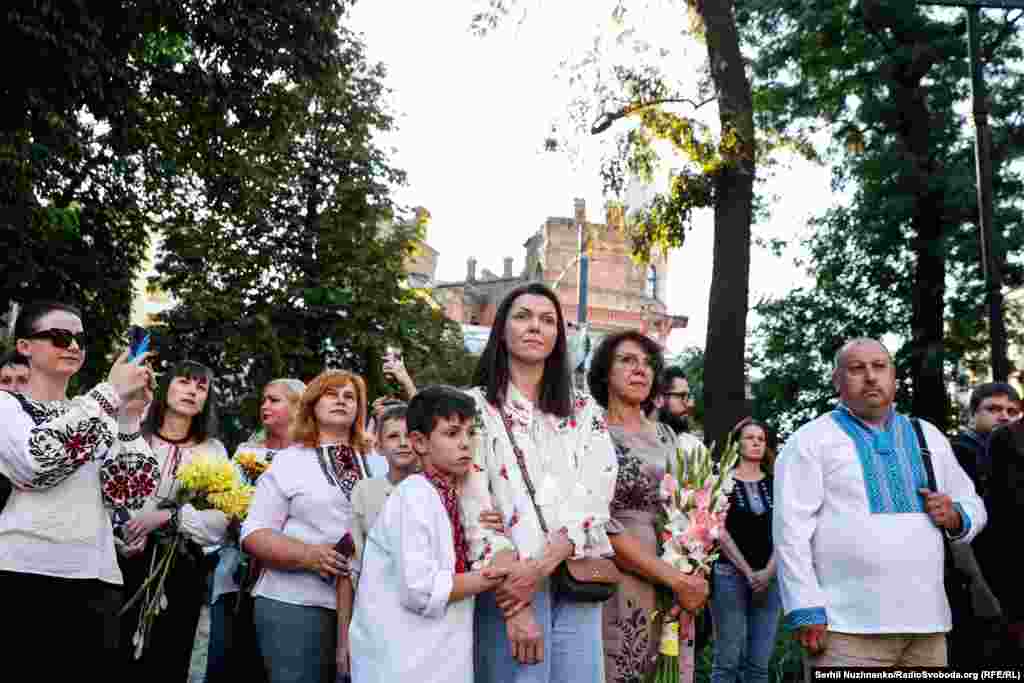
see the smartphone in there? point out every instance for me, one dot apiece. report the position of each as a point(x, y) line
point(138, 343)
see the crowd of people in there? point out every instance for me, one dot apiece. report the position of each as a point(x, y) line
point(432, 536)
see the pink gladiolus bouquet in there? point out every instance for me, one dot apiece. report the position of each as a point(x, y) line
point(695, 499)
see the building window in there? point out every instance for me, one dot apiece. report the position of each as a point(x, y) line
point(652, 282)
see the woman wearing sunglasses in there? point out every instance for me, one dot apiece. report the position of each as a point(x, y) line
point(58, 567)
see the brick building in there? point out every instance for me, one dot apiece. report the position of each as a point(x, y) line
point(621, 294)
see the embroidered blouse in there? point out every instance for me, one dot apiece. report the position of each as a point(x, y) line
point(305, 495)
point(450, 500)
point(205, 528)
point(571, 462)
point(56, 454)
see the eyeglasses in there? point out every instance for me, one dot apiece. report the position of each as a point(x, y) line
point(681, 395)
point(60, 338)
point(633, 361)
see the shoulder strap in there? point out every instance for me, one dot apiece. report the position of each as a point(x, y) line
point(926, 454)
point(521, 460)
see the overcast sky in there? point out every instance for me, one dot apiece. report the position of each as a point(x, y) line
point(473, 112)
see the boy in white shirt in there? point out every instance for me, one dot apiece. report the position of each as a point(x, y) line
point(369, 495)
point(415, 570)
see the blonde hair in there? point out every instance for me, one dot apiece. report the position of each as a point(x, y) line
point(293, 389)
point(306, 430)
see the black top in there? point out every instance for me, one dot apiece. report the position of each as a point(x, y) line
point(1004, 500)
point(971, 451)
point(750, 525)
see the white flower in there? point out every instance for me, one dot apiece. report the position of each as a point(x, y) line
point(728, 484)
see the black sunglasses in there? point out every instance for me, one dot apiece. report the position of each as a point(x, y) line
point(60, 338)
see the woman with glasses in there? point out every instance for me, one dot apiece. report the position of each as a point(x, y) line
point(58, 567)
point(621, 379)
point(526, 631)
point(179, 427)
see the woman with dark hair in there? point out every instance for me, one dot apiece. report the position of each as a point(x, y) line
point(621, 379)
point(527, 632)
point(179, 427)
point(58, 566)
point(746, 605)
point(302, 509)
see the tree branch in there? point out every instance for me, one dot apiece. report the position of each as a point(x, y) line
point(605, 120)
point(1004, 33)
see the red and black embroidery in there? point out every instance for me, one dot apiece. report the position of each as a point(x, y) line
point(450, 500)
point(129, 479)
point(342, 467)
point(60, 451)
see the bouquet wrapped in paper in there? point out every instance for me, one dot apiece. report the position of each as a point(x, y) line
point(207, 483)
point(694, 495)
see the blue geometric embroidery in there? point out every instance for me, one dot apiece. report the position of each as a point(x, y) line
point(890, 460)
point(805, 616)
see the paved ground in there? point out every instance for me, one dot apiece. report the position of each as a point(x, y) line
point(198, 670)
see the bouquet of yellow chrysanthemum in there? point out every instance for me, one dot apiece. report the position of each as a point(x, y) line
point(252, 465)
point(207, 483)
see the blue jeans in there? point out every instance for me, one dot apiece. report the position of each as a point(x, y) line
point(573, 645)
point(745, 627)
point(298, 642)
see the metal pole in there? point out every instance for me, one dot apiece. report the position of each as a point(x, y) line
point(581, 310)
point(983, 158)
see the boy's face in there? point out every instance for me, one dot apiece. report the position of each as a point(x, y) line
point(447, 448)
point(394, 444)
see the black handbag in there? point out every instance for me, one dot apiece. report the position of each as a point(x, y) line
point(957, 582)
point(591, 579)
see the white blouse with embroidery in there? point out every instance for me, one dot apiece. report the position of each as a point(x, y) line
point(204, 527)
point(571, 462)
point(60, 457)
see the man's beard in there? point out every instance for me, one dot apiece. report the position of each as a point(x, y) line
point(678, 423)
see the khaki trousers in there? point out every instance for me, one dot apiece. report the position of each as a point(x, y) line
point(881, 649)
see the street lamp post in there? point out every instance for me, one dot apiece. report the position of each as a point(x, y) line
point(983, 170)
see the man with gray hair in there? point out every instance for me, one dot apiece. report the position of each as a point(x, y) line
point(858, 530)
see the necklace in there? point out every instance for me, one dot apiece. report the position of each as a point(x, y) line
point(176, 442)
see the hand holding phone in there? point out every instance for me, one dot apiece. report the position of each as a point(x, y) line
point(138, 344)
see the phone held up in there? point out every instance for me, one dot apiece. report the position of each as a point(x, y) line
point(138, 344)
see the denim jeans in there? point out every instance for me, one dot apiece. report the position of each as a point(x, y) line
point(298, 643)
point(573, 645)
point(745, 627)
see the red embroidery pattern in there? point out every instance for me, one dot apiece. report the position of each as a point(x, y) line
point(450, 500)
point(129, 479)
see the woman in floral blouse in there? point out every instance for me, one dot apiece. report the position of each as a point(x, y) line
point(524, 632)
point(301, 510)
point(621, 379)
point(179, 427)
point(58, 567)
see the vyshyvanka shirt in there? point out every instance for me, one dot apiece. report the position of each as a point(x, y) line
point(306, 495)
point(205, 528)
point(403, 627)
point(854, 546)
point(571, 462)
point(61, 457)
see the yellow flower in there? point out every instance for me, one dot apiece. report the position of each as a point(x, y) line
point(251, 464)
point(233, 502)
point(206, 474)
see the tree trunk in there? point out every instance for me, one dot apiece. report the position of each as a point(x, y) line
point(927, 351)
point(725, 362)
